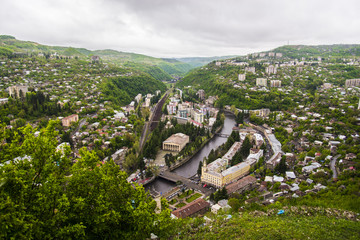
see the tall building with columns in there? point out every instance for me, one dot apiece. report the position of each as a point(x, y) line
point(176, 142)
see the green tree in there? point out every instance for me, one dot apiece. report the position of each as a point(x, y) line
point(43, 196)
point(199, 168)
point(281, 167)
point(245, 148)
point(235, 204)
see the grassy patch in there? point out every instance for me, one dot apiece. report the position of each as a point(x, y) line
point(173, 201)
point(193, 197)
point(186, 193)
point(180, 205)
point(276, 227)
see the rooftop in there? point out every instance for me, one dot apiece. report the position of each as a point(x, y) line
point(177, 138)
point(233, 187)
point(234, 168)
point(234, 148)
point(191, 208)
point(217, 165)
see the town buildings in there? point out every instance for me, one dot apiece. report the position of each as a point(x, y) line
point(18, 90)
point(275, 83)
point(261, 82)
point(175, 142)
point(276, 147)
point(241, 77)
point(271, 69)
point(201, 94)
point(171, 108)
point(352, 82)
point(264, 112)
point(138, 98)
point(217, 174)
point(3, 100)
point(241, 185)
point(250, 69)
point(198, 116)
point(66, 121)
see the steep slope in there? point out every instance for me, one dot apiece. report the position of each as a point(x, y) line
point(123, 89)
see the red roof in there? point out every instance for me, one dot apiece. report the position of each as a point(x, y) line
point(192, 208)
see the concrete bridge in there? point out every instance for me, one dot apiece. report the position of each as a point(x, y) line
point(222, 135)
point(173, 177)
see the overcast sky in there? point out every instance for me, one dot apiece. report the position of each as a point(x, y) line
point(178, 28)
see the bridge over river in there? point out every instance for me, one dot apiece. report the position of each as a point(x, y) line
point(222, 135)
point(173, 177)
point(166, 180)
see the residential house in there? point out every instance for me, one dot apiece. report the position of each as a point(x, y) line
point(199, 206)
point(66, 121)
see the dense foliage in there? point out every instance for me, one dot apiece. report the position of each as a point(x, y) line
point(43, 195)
point(31, 106)
point(124, 88)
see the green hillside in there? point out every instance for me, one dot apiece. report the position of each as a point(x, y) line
point(336, 50)
point(160, 69)
point(122, 90)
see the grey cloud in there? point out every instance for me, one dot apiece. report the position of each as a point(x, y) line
point(166, 28)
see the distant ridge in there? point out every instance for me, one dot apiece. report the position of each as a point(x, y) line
point(157, 67)
point(295, 51)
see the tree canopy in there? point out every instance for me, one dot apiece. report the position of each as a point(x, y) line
point(44, 195)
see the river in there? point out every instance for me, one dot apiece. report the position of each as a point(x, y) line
point(190, 168)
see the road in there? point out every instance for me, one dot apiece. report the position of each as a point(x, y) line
point(333, 166)
point(170, 176)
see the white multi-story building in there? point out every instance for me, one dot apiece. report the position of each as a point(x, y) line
point(17, 91)
point(271, 69)
point(250, 69)
point(138, 98)
point(275, 83)
point(241, 77)
point(352, 82)
point(198, 116)
point(171, 107)
point(261, 82)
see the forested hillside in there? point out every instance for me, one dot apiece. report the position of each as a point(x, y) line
point(338, 50)
point(123, 89)
point(160, 69)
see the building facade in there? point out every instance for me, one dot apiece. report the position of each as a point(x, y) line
point(261, 82)
point(242, 77)
point(264, 112)
point(66, 121)
point(171, 108)
point(352, 82)
point(217, 174)
point(275, 83)
point(201, 94)
point(271, 69)
point(17, 91)
point(250, 69)
point(176, 142)
point(198, 116)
